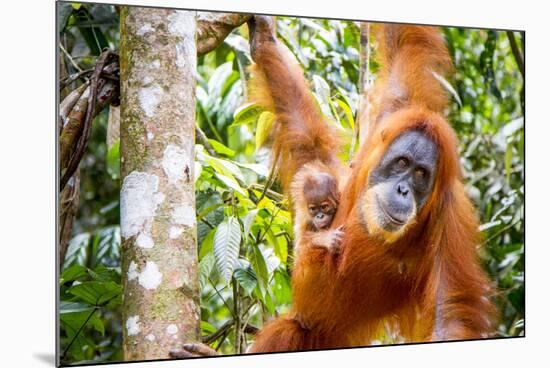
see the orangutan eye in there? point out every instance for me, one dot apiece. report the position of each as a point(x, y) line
point(420, 173)
point(402, 163)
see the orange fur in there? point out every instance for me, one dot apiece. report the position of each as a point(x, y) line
point(428, 284)
point(300, 133)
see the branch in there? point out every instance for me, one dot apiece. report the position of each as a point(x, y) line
point(213, 28)
point(100, 93)
point(203, 139)
point(68, 207)
point(363, 113)
point(248, 328)
point(516, 52)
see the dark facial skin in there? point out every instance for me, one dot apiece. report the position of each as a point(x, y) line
point(321, 195)
point(408, 170)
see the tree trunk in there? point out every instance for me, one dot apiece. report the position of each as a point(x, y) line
point(158, 224)
point(365, 83)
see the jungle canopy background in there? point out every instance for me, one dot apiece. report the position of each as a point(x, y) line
point(246, 281)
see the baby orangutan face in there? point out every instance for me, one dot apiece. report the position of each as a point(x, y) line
point(321, 195)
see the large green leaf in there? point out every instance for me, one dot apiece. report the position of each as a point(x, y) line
point(96, 292)
point(226, 246)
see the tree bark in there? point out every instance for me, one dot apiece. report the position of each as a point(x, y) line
point(158, 224)
point(213, 28)
point(68, 207)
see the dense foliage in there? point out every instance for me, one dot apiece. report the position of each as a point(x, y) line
point(244, 224)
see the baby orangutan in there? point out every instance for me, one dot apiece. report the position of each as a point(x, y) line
point(315, 196)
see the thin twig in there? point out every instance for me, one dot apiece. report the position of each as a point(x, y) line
point(203, 139)
point(69, 57)
point(78, 333)
point(501, 231)
point(517, 54)
point(208, 339)
point(268, 182)
point(221, 297)
point(73, 77)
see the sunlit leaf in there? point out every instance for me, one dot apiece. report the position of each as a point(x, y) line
point(221, 149)
point(263, 127)
point(246, 114)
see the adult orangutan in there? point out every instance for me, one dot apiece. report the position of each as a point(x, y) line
point(408, 259)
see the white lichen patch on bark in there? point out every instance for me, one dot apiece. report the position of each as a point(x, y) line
point(150, 337)
point(132, 325)
point(150, 277)
point(145, 28)
point(175, 232)
point(184, 215)
point(150, 136)
point(149, 98)
point(171, 329)
point(132, 271)
point(180, 22)
point(139, 199)
point(155, 64)
point(143, 240)
point(70, 182)
point(180, 55)
point(174, 161)
point(147, 80)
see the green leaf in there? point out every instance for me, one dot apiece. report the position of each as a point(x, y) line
point(207, 328)
point(221, 149)
point(113, 161)
point(224, 167)
point(282, 289)
point(207, 244)
point(64, 11)
point(259, 169)
point(71, 323)
point(226, 246)
point(206, 265)
point(72, 273)
point(74, 307)
point(245, 276)
point(260, 268)
point(246, 114)
point(218, 83)
point(96, 292)
point(263, 128)
point(77, 251)
point(107, 246)
point(347, 112)
point(231, 183)
point(321, 88)
point(279, 245)
point(249, 221)
point(102, 273)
